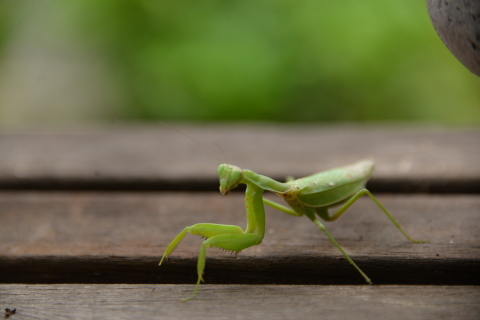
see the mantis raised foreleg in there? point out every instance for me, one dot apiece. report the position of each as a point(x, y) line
point(228, 237)
point(310, 196)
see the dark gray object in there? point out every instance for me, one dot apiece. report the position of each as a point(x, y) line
point(457, 22)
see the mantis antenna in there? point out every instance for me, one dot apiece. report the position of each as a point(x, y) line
point(213, 153)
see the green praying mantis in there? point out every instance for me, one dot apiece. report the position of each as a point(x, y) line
point(311, 196)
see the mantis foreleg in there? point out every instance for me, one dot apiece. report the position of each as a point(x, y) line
point(205, 230)
point(228, 237)
point(231, 242)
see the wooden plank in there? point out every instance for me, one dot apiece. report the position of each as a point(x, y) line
point(408, 158)
point(119, 238)
point(241, 302)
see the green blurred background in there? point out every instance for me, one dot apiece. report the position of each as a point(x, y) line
point(101, 61)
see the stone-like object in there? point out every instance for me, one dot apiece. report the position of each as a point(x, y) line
point(457, 22)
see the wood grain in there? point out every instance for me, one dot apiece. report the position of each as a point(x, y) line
point(119, 238)
point(241, 302)
point(409, 159)
point(89, 213)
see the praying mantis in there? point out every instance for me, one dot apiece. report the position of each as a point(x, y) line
point(310, 196)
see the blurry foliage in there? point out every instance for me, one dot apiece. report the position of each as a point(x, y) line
point(274, 60)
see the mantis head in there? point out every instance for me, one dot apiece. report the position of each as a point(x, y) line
point(230, 176)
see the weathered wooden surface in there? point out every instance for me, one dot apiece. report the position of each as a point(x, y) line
point(158, 158)
point(100, 206)
point(119, 237)
point(240, 302)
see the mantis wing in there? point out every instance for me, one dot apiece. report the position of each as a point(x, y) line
point(330, 187)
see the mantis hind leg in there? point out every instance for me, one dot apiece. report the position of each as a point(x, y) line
point(323, 212)
point(230, 242)
point(345, 254)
